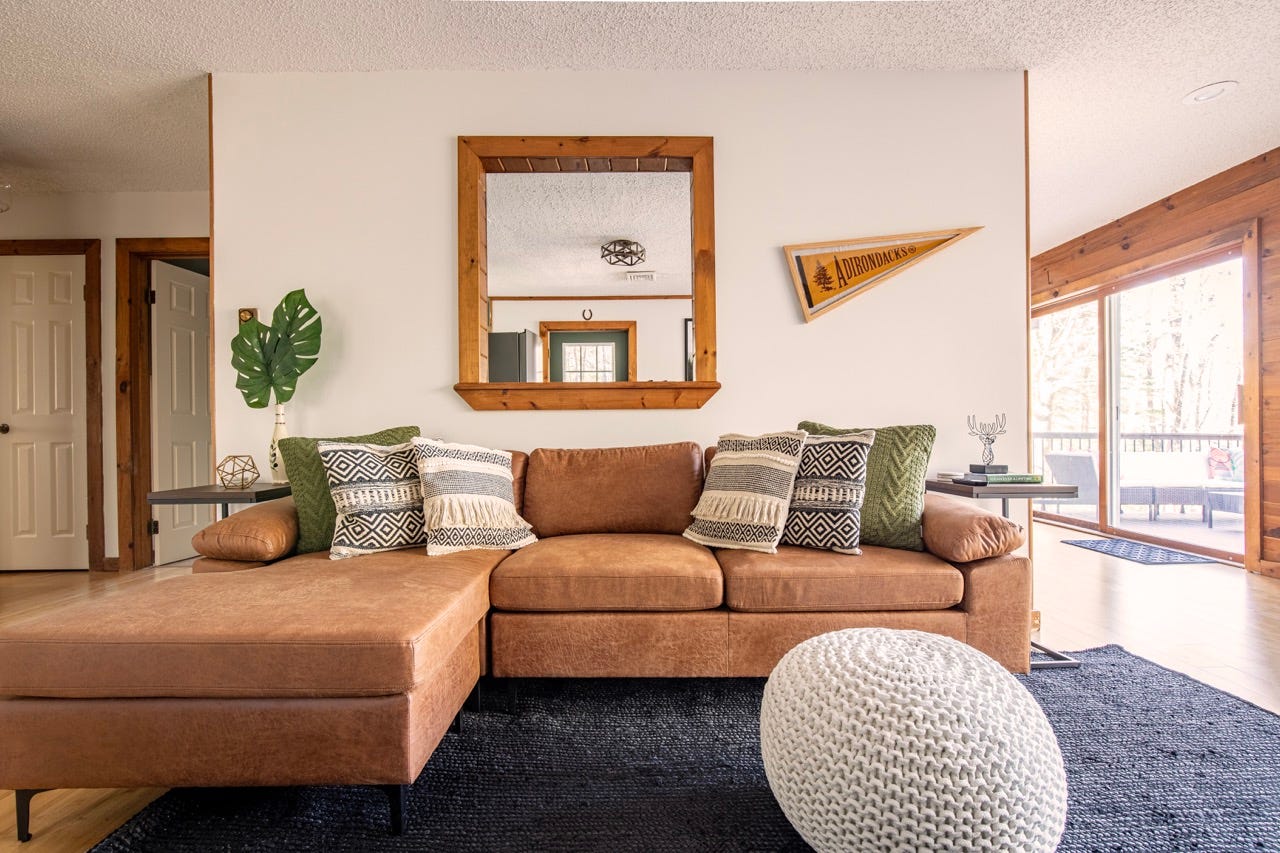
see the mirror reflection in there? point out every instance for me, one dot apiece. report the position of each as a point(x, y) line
point(590, 276)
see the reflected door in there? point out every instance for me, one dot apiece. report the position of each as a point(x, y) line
point(44, 497)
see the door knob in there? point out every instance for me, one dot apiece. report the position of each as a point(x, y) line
point(4, 429)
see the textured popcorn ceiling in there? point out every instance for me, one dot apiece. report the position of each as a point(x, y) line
point(545, 232)
point(109, 94)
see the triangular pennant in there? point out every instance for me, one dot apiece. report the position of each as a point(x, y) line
point(826, 275)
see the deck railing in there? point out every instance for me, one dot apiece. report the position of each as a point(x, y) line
point(1133, 442)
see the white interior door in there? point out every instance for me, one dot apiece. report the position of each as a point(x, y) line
point(44, 501)
point(181, 429)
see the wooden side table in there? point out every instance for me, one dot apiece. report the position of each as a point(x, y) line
point(220, 495)
point(1007, 492)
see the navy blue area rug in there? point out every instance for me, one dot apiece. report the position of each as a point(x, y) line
point(1138, 552)
point(1156, 761)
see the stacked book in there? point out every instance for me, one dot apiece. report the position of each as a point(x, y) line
point(996, 475)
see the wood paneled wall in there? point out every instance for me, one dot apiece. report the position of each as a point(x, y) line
point(1201, 220)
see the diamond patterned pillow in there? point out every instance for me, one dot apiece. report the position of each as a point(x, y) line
point(378, 497)
point(744, 501)
point(826, 503)
point(468, 498)
point(311, 495)
point(896, 468)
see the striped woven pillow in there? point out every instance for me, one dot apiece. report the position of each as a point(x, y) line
point(468, 498)
point(748, 491)
point(378, 497)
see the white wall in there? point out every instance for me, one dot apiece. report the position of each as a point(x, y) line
point(659, 327)
point(346, 184)
point(106, 216)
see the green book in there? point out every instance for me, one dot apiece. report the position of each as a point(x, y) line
point(1002, 479)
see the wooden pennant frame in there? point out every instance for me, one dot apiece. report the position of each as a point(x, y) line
point(814, 308)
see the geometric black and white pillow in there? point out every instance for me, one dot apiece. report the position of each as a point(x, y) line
point(748, 490)
point(468, 498)
point(826, 503)
point(378, 495)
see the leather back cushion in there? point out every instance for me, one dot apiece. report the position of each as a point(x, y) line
point(650, 489)
point(519, 462)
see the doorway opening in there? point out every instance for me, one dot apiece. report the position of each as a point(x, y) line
point(164, 377)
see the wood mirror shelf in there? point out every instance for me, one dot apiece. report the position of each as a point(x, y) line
point(479, 156)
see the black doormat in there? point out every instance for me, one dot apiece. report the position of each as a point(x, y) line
point(1138, 552)
point(1156, 761)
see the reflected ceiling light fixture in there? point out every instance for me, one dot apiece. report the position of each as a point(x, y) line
point(622, 253)
point(1210, 92)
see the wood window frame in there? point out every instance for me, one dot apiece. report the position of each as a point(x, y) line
point(92, 252)
point(1239, 240)
point(546, 327)
point(480, 155)
point(133, 384)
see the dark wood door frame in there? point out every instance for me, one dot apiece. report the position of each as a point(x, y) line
point(133, 385)
point(92, 251)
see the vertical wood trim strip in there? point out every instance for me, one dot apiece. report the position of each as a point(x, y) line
point(213, 366)
point(470, 175)
point(1249, 257)
point(93, 404)
point(704, 265)
point(1026, 221)
point(125, 437)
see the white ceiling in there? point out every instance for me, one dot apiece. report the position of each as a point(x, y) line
point(545, 232)
point(110, 94)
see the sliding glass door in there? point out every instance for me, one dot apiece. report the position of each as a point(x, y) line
point(1137, 396)
point(1064, 407)
point(1177, 377)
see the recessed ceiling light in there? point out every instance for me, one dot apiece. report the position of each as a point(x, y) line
point(1211, 92)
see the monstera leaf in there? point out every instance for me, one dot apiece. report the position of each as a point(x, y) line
point(269, 359)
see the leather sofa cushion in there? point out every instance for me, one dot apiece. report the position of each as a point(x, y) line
point(260, 532)
point(601, 571)
point(304, 627)
point(960, 531)
point(519, 463)
point(796, 579)
point(649, 489)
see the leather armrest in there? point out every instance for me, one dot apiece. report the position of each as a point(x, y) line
point(262, 533)
point(959, 531)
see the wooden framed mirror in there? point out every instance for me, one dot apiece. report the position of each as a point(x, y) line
point(481, 156)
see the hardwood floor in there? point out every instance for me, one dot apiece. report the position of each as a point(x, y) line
point(1216, 623)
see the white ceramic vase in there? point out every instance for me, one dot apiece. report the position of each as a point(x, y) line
point(274, 460)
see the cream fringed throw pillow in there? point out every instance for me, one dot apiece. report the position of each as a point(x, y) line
point(748, 492)
point(468, 498)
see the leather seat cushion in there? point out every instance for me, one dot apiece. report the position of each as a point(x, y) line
point(604, 571)
point(805, 579)
point(307, 626)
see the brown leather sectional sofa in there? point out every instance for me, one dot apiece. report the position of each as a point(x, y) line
point(311, 671)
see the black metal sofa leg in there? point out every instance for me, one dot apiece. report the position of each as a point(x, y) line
point(22, 805)
point(397, 797)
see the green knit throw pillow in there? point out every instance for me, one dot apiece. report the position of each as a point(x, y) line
point(316, 512)
point(896, 470)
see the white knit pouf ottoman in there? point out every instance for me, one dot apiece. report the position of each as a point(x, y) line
point(875, 739)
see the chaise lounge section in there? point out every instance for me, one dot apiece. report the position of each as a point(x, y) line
point(301, 670)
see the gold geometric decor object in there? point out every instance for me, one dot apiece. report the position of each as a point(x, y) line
point(827, 275)
point(237, 472)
